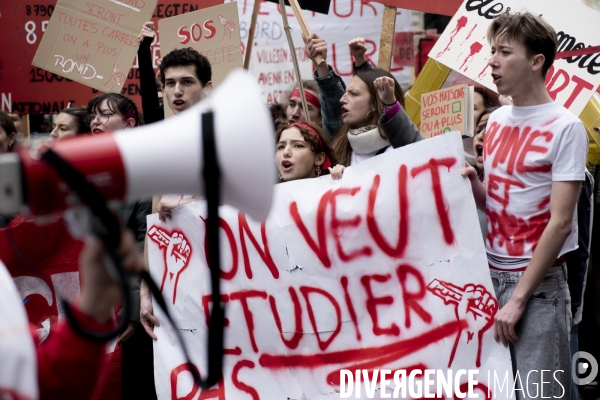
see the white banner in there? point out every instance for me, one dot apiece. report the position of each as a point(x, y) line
point(383, 269)
point(273, 67)
point(345, 21)
point(571, 81)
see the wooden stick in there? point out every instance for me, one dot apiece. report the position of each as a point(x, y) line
point(386, 44)
point(303, 25)
point(288, 34)
point(251, 34)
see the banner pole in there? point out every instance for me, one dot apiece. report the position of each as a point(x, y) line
point(386, 44)
point(251, 34)
point(288, 34)
point(304, 26)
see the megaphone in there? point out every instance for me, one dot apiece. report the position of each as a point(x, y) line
point(164, 157)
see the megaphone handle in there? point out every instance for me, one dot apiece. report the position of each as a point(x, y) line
point(211, 174)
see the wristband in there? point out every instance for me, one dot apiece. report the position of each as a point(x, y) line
point(389, 105)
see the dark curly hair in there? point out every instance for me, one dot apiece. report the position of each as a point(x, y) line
point(117, 103)
point(7, 123)
point(81, 117)
point(183, 58)
point(317, 146)
point(490, 99)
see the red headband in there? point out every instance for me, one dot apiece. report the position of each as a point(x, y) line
point(327, 163)
point(311, 98)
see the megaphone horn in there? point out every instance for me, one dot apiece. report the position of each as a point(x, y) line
point(165, 157)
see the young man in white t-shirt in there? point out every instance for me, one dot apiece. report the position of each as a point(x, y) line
point(534, 162)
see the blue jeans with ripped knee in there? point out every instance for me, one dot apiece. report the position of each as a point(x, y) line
point(544, 334)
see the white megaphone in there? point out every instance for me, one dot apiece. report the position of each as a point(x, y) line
point(164, 157)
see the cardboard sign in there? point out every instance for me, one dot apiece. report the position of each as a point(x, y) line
point(93, 42)
point(26, 89)
point(447, 110)
point(214, 32)
point(377, 270)
point(273, 68)
point(571, 81)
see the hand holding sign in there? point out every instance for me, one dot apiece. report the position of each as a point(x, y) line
point(317, 50)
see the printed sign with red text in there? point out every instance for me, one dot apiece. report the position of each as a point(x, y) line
point(575, 75)
point(378, 270)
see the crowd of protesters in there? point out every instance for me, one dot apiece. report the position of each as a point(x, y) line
point(347, 124)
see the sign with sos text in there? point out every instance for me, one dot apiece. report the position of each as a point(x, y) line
point(214, 32)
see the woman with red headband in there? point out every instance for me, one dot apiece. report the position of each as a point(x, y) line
point(303, 151)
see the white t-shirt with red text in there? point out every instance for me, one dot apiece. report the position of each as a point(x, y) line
point(525, 150)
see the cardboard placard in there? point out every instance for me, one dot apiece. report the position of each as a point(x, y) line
point(571, 81)
point(447, 110)
point(274, 70)
point(93, 42)
point(214, 32)
point(307, 293)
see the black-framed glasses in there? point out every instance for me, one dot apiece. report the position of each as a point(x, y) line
point(102, 117)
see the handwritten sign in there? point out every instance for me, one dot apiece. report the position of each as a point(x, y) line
point(214, 32)
point(571, 81)
point(447, 110)
point(31, 90)
point(93, 42)
point(342, 275)
point(273, 67)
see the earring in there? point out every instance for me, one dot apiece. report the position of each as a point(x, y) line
point(368, 116)
point(280, 177)
point(318, 171)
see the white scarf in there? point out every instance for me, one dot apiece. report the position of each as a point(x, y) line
point(18, 368)
point(366, 139)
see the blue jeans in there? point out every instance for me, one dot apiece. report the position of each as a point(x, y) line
point(543, 332)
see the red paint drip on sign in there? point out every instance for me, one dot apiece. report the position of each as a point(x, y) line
point(475, 48)
point(461, 23)
point(470, 33)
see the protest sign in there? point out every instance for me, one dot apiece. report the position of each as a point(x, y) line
point(378, 270)
point(31, 90)
point(447, 110)
point(273, 68)
point(93, 43)
point(213, 32)
point(26, 89)
point(404, 47)
point(573, 78)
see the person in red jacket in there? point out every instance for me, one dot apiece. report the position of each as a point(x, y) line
point(68, 365)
